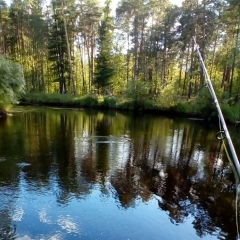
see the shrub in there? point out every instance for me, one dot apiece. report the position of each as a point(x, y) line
point(231, 113)
point(11, 83)
point(137, 89)
point(110, 102)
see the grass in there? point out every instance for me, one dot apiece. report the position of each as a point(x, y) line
point(87, 101)
point(201, 107)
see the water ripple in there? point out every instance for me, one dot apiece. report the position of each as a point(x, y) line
point(68, 224)
point(43, 217)
point(18, 214)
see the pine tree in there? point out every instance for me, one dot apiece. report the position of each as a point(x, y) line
point(104, 64)
point(57, 46)
point(86, 31)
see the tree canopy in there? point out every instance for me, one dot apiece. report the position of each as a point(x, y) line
point(104, 61)
point(144, 48)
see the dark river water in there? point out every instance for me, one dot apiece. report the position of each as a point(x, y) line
point(76, 174)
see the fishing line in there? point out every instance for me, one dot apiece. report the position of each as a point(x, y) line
point(236, 207)
point(237, 196)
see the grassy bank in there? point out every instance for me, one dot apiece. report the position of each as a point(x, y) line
point(200, 107)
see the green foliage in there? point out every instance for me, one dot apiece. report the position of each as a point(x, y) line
point(110, 102)
point(58, 99)
point(137, 89)
point(104, 61)
point(89, 101)
point(231, 113)
point(160, 57)
point(184, 107)
point(201, 106)
point(11, 82)
point(124, 103)
point(42, 98)
point(167, 96)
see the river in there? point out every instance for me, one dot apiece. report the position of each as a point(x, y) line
point(81, 174)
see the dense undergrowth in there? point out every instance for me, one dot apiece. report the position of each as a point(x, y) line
point(198, 107)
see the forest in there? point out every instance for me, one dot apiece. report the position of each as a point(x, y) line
point(142, 50)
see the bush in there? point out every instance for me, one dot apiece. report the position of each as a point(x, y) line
point(137, 89)
point(11, 82)
point(89, 100)
point(230, 113)
point(184, 107)
point(201, 106)
point(44, 98)
point(110, 102)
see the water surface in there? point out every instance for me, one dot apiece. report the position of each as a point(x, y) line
point(75, 174)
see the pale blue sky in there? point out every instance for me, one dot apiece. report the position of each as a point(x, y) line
point(177, 2)
point(114, 2)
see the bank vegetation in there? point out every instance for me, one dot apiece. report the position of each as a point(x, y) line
point(138, 54)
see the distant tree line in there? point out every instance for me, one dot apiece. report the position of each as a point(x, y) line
point(144, 48)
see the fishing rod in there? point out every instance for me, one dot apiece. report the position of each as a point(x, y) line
point(222, 120)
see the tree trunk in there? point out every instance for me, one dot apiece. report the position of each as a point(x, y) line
point(92, 59)
point(213, 56)
point(69, 55)
point(186, 70)
point(234, 60)
point(43, 88)
point(82, 67)
point(128, 56)
point(136, 47)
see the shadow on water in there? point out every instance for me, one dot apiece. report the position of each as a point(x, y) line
point(59, 166)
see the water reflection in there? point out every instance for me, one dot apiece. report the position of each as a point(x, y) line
point(66, 174)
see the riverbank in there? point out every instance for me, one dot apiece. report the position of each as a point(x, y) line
point(200, 107)
point(4, 111)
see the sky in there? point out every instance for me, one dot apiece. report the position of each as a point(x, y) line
point(115, 2)
point(177, 2)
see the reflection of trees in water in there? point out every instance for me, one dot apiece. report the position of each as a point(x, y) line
point(129, 186)
point(7, 229)
point(8, 196)
point(180, 163)
point(186, 180)
point(173, 161)
point(204, 197)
